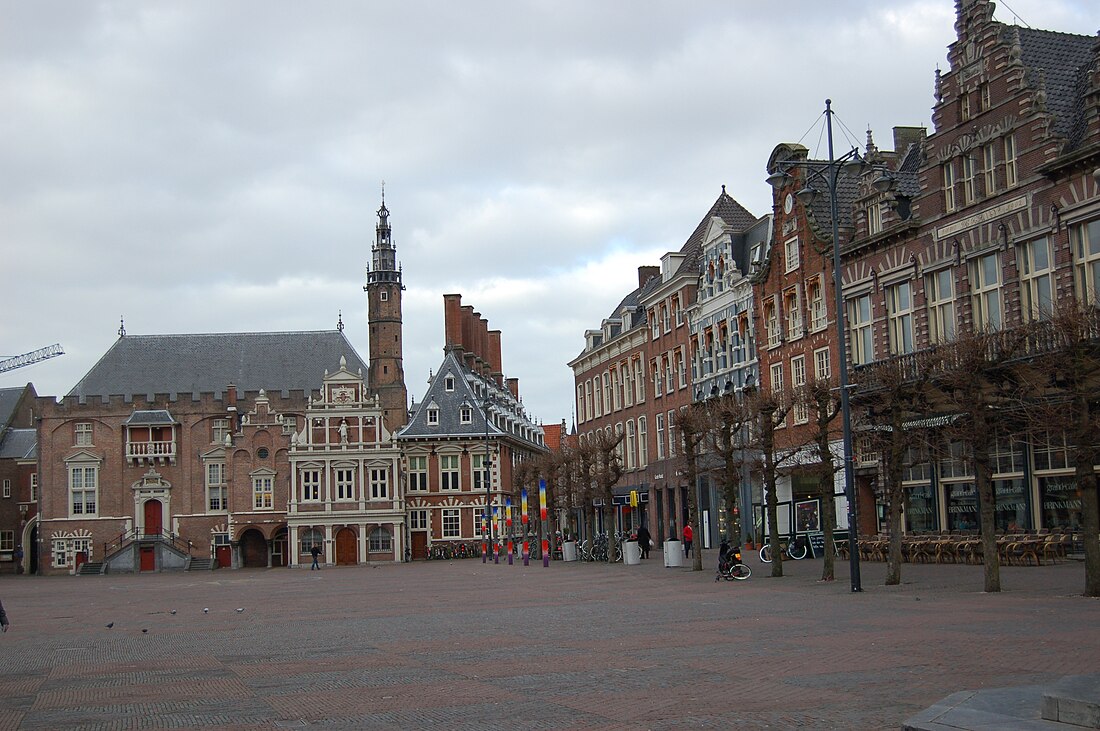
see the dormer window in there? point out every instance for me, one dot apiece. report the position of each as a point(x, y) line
point(433, 416)
point(466, 415)
point(449, 383)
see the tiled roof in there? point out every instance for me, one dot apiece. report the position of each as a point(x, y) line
point(193, 364)
point(19, 444)
point(1061, 58)
point(9, 399)
point(731, 212)
point(155, 417)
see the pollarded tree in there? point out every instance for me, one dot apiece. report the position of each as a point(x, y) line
point(772, 446)
point(607, 468)
point(731, 417)
point(822, 405)
point(693, 422)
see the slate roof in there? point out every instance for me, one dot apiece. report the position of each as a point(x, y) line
point(9, 399)
point(1062, 58)
point(156, 417)
point(731, 212)
point(194, 364)
point(19, 444)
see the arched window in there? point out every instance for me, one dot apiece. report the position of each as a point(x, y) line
point(311, 537)
point(380, 540)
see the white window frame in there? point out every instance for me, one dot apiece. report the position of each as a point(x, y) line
point(823, 367)
point(643, 445)
point(217, 488)
point(672, 434)
point(451, 523)
point(801, 408)
point(631, 445)
point(874, 218)
point(985, 291)
point(418, 473)
point(792, 306)
point(899, 317)
point(941, 305)
point(83, 482)
point(7, 487)
point(1011, 172)
point(681, 368)
point(950, 202)
point(819, 314)
point(418, 519)
point(639, 382)
point(344, 482)
point(860, 335)
point(379, 483)
point(1085, 241)
point(969, 179)
point(433, 416)
point(790, 254)
point(379, 540)
point(775, 373)
point(1036, 266)
point(263, 491)
point(310, 483)
point(450, 476)
point(82, 434)
point(989, 163)
point(219, 430)
point(660, 420)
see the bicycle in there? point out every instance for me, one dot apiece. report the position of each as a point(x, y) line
point(797, 548)
point(730, 567)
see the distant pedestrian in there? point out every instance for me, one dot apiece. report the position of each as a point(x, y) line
point(19, 559)
point(643, 541)
point(687, 539)
point(315, 552)
point(3, 618)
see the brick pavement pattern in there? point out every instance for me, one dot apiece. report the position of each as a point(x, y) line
point(462, 645)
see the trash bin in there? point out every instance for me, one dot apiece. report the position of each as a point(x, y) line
point(569, 551)
point(632, 553)
point(674, 554)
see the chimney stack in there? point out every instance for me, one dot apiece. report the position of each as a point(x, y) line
point(646, 273)
point(452, 319)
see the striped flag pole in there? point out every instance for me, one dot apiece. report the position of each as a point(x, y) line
point(496, 532)
point(485, 535)
point(545, 527)
point(523, 519)
point(508, 525)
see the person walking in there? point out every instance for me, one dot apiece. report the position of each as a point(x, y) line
point(19, 559)
point(3, 618)
point(643, 541)
point(687, 539)
point(315, 552)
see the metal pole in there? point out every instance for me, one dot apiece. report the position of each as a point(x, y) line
point(842, 358)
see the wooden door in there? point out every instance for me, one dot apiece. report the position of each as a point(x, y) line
point(224, 556)
point(278, 550)
point(347, 552)
point(254, 549)
point(148, 558)
point(419, 545)
point(153, 517)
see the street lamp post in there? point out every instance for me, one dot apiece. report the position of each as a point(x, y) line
point(828, 173)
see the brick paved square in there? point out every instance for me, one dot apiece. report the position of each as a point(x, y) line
point(464, 645)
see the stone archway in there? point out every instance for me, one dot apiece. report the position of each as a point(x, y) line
point(253, 549)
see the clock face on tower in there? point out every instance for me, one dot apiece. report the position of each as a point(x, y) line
point(788, 203)
point(343, 395)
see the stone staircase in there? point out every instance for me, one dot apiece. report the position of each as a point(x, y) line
point(202, 564)
point(1070, 704)
point(92, 568)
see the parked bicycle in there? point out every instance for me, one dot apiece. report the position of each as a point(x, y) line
point(797, 548)
point(730, 567)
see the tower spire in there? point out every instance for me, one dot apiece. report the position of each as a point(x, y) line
point(386, 375)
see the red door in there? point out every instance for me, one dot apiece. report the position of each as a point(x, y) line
point(225, 558)
point(148, 558)
point(419, 545)
point(152, 517)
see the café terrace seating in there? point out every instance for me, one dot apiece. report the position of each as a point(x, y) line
point(1018, 548)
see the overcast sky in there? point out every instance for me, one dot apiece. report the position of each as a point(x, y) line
point(216, 166)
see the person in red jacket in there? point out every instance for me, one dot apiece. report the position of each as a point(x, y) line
point(687, 539)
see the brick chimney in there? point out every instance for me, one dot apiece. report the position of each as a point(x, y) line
point(513, 387)
point(452, 319)
point(496, 369)
point(646, 273)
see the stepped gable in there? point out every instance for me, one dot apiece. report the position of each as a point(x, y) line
point(207, 363)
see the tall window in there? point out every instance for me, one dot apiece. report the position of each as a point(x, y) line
point(822, 368)
point(7, 540)
point(34, 487)
point(949, 203)
point(580, 403)
point(669, 382)
point(311, 485)
point(816, 296)
point(216, 487)
point(617, 388)
point(874, 218)
point(985, 287)
point(798, 380)
point(794, 314)
point(263, 492)
point(309, 538)
point(596, 399)
point(379, 483)
point(1011, 178)
point(452, 523)
point(1036, 279)
point(7, 488)
point(628, 386)
point(771, 323)
point(655, 330)
point(639, 381)
point(448, 472)
point(82, 436)
point(859, 327)
point(899, 312)
point(643, 444)
point(1085, 239)
point(681, 369)
point(478, 463)
point(655, 366)
point(631, 446)
point(219, 430)
point(777, 377)
point(940, 291)
point(665, 318)
point(83, 485)
point(790, 248)
point(660, 420)
point(606, 393)
point(969, 179)
point(345, 483)
point(418, 474)
point(418, 519)
point(989, 158)
point(672, 438)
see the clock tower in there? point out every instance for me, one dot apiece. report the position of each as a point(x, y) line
point(386, 377)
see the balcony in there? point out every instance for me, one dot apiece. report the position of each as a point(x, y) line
point(151, 452)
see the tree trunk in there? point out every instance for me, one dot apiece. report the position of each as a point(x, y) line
point(1090, 528)
point(828, 506)
point(895, 495)
point(988, 506)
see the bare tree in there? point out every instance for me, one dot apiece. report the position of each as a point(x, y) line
point(823, 405)
point(891, 401)
point(607, 468)
point(771, 445)
point(727, 441)
point(976, 383)
point(693, 423)
point(1063, 381)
